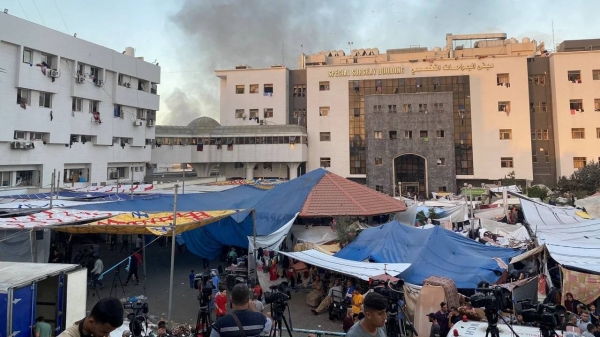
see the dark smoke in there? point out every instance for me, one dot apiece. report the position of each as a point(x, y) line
point(220, 34)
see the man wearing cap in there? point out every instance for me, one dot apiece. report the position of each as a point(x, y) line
point(435, 327)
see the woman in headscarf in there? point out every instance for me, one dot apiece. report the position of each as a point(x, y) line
point(571, 303)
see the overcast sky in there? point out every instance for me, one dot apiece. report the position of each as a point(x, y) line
point(192, 38)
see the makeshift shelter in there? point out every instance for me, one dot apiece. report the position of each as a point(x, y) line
point(362, 270)
point(431, 252)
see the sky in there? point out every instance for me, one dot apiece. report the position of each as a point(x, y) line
point(191, 38)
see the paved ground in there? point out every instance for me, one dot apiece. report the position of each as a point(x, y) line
point(185, 303)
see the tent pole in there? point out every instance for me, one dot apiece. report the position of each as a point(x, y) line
point(144, 260)
point(52, 188)
point(254, 245)
point(173, 236)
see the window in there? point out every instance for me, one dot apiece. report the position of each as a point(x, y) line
point(442, 189)
point(422, 107)
point(27, 56)
point(378, 161)
point(538, 107)
point(578, 133)
point(574, 76)
point(505, 134)
point(94, 72)
point(324, 111)
point(253, 88)
point(268, 113)
point(545, 135)
point(441, 162)
point(547, 156)
point(406, 108)
point(504, 106)
point(139, 113)
point(534, 158)
point(239, 89)
point(440, 134)
point(393, 135)
point(537, 80)
point(117, 172)
point(5, 178)
point(80, 69)
point(356, 112)
point(502, 79)
point(324, 86)
point(325, 162)
point(46, 59)
point(95, 106)
point(77, 104)
point(576, 105)
point(506, 162)
point(19, 135)
point(300, 90)
point(379, 188)
point(45, 100)
point(36, 136)
point(377, 108)
point(23, 96)
point(268, 89)
point(439, 107)
point(579, 162)
point(239, 113)
point(423, 134)
point(325, 136)
point(597, 104)
point(392, 108)
point(596, 75)
point(378, 135)
point(597, 132)
point(408, 134)
point(254, 113)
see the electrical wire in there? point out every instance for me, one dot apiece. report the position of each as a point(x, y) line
point(38, 11)
point(19, 2)
point(61, 17)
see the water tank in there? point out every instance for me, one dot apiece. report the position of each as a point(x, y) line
point(130, 51)
point(526, 40)
point(437, 49)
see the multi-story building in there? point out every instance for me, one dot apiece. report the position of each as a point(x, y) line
point(69, 105)
point(431, 119)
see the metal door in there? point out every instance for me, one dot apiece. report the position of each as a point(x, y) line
point(3, 314)
point(23, 311)
point(60, 305)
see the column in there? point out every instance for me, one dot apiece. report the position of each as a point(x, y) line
point(249, 170)
point(293, 170)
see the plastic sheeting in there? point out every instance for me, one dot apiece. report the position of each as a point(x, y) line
point(23, 245)
point(362, 270)
point(511, 188)
point(539, 215)
point(431, 252)
point(314, 234)
point(591, 205)
point(269, 242)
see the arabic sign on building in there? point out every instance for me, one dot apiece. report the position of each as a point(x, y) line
point(401, 70)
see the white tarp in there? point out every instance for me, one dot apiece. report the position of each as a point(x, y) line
point(540, 215)
point(362, 270)
point(121, 188)
point(511, 188)
point(583, 254)
point(409, 215)
point(314, 234)
point(53, 217)
point(270, 242)
point(591, 205)
point(44, 203)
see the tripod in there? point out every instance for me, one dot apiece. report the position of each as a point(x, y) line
point(116, 278)
point(492, 317)
point(278, 317)
point(203, 322)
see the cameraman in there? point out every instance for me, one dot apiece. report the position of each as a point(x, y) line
point(375, 308)
point(243, 317)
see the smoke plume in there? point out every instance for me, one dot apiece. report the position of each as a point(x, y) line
point(222, 34)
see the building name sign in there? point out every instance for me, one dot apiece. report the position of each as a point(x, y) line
point(400, 70)
point(366, 72)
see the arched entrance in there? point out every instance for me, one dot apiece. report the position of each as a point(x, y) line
point(411, 171)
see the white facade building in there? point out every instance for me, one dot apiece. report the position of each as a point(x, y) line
point(90, 115)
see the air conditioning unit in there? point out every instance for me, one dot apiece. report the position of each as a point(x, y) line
point(138, 122)
point(16, 145)
point(80, 78)
point(99, 83)
point(128, 85)
point(28, 145)
point(53, 73)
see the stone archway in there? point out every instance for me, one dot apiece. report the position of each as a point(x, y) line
point(411, 171)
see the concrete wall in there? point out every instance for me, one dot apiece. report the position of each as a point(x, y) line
point(66, 52)
point(431, 149)
point(230, 101)
point(563, 91)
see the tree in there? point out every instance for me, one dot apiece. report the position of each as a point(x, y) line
point(584, 181)
point(538, 192)
point(346, 229)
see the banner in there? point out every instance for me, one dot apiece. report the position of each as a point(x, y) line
point(584, 287)
point(149, 223)
point(52, 217)
point(121, 188)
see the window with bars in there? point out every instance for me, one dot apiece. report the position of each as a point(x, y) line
point(537, 79)
point(579, 162)
point(325, 162)
point(324, 86)
point(505, 134)
point(240, 88)
point(577, 133)
point(506, 162)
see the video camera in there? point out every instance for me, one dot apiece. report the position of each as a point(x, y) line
point(277, 298)
point(137, 318)
point(546, 315)
point(492, 299)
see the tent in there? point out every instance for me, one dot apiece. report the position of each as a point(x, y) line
point(362, 270)
point(431, 252)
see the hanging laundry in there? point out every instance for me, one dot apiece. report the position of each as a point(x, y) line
point(572, 111)
point(51, 116)
point(96, 116)
point(42, 65)
point(23, 103)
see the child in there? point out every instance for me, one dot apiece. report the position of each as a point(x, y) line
point(357, 301)
point(221, 302)
point(192, 276)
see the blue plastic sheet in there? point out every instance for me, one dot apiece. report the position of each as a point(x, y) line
point(431, 252)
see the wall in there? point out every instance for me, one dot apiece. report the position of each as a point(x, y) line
point(230, 101)
point(59, 122)
point(562, 92)
point(436, 176)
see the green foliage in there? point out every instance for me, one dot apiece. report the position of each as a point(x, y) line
point(509, 179)
point(346, 228)
point(431, 214)
point(538, 192)
point(584, 181)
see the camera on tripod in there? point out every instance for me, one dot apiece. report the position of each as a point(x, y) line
point(278, 297)
point(546, 315)
point(137, 318)
point(492, 299)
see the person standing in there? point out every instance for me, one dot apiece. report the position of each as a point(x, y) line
point(106, 316)
point(192, 276)
point(375, 311)
point(133, 270)
point(113, 241)
point(41, 328)
point(442, 318)
point(357, 302)
point(435, 327)
point(205, 263)
point(221, 302)
point(138, 242)
point(97, 271)
point(244, 316)
point(125, 244)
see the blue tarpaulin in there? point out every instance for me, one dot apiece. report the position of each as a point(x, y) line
point(431, 252)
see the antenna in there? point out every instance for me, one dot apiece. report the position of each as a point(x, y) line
point(553, 43)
